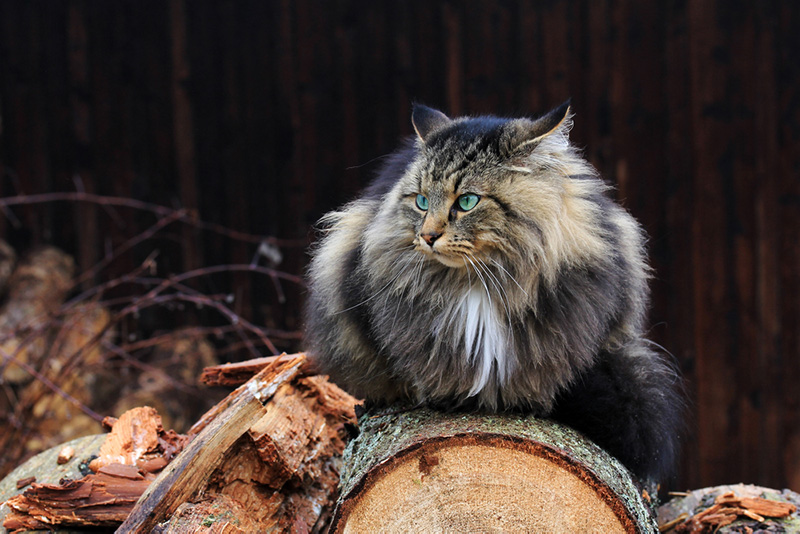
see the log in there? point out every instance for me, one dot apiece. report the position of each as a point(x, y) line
point(123, 467)
point(731, 508)
point(8, 259)
point(426, 471)
point(187, 474)
point(36, 288)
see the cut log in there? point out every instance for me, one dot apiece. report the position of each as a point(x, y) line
point(424, 471)
point(35, 289)
point(732, 508)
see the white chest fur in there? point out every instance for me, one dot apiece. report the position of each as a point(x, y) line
point(485, 339)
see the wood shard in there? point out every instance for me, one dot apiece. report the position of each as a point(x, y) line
point(65, 455)
point(21, 483)
point(768, 507)
point(236, 374)
point(137, 438)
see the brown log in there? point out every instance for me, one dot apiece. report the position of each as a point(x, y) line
point(285, 470)
point(36, 288)
point(426, 471)
point(45, 469)
point(137, 446)
point(72, 351)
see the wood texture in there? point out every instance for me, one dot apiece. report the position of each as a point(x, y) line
point(427, 471)
point(44, 468)
point(264, 115)
point(188, 473)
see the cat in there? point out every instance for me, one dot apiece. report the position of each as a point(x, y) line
point(487, 267)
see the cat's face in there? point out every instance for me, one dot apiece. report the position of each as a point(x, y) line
point(458, 217)
point(470, 194)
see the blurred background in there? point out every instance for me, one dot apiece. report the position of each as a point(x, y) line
point(216, 133)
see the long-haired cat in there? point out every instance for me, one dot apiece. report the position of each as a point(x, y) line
point(487, 267)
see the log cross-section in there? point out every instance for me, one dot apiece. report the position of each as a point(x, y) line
point(423, 471)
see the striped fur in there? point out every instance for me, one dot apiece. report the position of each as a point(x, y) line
point(532, 300)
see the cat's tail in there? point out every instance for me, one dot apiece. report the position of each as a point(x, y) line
point(631, 402)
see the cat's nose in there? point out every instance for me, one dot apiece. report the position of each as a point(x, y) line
point(430, 237)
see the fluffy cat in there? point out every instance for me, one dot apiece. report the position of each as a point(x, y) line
point(487, 267)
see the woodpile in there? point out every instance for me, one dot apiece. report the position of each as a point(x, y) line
point(275, 454)
point(266, 458)
point(278, 454)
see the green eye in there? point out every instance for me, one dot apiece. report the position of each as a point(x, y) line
point(422, 202)
point(467, 201)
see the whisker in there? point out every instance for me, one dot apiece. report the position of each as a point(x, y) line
point(480, 277)
point(503, 297)
point(509, 275)
point(500, 289)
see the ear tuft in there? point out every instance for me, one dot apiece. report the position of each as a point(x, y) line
point(525, 134)
point(427, 121)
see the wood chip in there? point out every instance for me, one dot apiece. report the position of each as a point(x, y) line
point(669, 525)
point(65, 455)
point(767, 507)
point(21, 483)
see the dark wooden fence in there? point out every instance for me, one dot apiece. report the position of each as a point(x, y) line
point(262, 115)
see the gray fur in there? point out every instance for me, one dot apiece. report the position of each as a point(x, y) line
point(523, 302)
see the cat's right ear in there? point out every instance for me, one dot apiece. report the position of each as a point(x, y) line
point(427, 120)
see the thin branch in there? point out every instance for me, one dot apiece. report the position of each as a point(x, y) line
point(188, 217)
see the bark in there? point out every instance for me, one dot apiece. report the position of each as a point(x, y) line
point(423, 470)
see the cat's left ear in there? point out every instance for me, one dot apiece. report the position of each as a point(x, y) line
point(524, 135)
point(427, 120)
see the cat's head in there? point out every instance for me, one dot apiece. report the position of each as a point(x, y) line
point(487, 188)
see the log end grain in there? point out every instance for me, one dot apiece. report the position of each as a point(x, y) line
point(428, 471)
